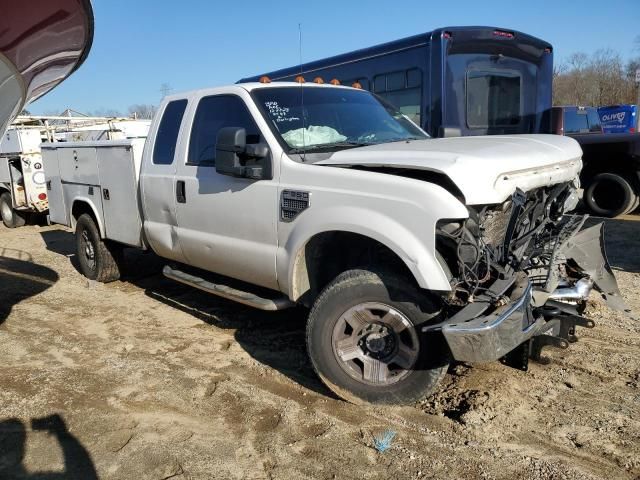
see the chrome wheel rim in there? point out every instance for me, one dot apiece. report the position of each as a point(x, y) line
point(375, 343)
point(87, 249)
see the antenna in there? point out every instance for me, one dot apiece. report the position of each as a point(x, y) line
point(304, 150)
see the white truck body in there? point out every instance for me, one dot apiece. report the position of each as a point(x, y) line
point(266, 210)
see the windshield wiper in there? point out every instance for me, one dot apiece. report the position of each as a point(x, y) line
point(328, 146)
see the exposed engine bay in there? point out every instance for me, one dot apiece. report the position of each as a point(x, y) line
point(523, 259)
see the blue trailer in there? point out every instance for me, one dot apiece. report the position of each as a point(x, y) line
point(619, 118)
point(451, 81)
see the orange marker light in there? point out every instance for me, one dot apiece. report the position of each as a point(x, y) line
point(356, 85)
point(335, 81)
point(318, 80)
point(265, 79)
point(299, 79)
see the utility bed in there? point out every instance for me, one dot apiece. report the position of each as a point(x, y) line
point(103, 175)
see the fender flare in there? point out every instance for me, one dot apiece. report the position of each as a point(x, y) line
point(94, 210)
point(420, 257)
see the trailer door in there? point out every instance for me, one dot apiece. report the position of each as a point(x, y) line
point(496, 83)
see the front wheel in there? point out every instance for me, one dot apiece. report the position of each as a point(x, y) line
point(365, 341)
point(98, 260)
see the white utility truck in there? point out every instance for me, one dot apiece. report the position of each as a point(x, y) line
point(410, 252)
point(22, 181)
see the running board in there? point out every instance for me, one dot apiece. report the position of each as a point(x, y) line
point(225, 291)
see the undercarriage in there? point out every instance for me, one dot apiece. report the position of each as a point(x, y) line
point(521, 273)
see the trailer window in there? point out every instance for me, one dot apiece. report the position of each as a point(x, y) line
point(212, 114)
point(167, 136)
point(403, 90)
point(493, 98)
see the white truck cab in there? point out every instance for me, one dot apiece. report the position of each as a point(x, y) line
point(410, 251)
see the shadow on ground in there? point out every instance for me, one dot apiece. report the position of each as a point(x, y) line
point(622, 241)
point(275, 339)
point(20, 278)
point(13, 444)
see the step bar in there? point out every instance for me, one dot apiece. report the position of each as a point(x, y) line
point(230, 293)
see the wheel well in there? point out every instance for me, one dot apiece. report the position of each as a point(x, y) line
point(79, 208)
point(328, 254)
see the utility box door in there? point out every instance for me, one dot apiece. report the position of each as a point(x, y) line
point(119, 190)
point(57, 208)
point(78, 165)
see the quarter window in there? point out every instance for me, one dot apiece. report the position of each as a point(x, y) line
point(212, 114)
point(167, 136)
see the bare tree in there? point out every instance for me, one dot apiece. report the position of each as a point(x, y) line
point(143, 111)
point(600, 79)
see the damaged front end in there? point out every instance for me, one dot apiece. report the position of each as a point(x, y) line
point(521, 273)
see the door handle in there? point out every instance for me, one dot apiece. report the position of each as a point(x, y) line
point(181, 196)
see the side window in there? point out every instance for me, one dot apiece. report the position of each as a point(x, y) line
point(167, 136)
point(403, 90)
point(212, 114)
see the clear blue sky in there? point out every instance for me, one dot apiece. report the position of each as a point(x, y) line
point(141, 44)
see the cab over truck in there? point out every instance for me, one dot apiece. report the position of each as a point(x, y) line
point(611, 172)
point(410, 252)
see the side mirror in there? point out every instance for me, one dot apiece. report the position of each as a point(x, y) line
point(232, 154)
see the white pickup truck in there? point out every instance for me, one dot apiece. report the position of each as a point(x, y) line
point(410, 252)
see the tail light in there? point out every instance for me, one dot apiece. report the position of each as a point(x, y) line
point(503, 34)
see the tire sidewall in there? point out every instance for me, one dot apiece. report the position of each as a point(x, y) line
point(5, 199)
point(626, 202)
point(86, 224)
point(361, 286)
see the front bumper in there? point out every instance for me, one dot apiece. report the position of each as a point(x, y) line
point(486, 338)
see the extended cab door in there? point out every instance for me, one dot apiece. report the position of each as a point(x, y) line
point(157, 180)
point(226, 224)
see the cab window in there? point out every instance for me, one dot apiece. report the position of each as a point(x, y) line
point(575, 122)
point(213, 113)
point(167, 136)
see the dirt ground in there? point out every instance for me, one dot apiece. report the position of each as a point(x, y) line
point(147, 379)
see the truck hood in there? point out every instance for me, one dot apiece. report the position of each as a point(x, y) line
point(486, 169)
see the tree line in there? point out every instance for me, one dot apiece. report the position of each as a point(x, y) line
point(602, 78)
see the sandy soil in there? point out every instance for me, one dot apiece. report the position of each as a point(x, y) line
point(146, 379)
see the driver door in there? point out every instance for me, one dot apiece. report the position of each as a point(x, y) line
point(226, 224)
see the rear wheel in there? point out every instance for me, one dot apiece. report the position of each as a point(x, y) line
point(98, 260)
point(10, 217)
point(610, 195)
point(365, 341)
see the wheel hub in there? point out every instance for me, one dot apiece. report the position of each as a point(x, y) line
point(375, 343)
point(88, 249)
point(379, 343)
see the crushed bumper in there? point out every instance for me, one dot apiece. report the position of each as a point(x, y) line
point(476, 337)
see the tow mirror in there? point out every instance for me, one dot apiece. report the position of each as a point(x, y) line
point(234, 157)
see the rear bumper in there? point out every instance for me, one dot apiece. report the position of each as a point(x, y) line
point(489, 337)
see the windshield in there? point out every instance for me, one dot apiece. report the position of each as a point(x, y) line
point(313, 118)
